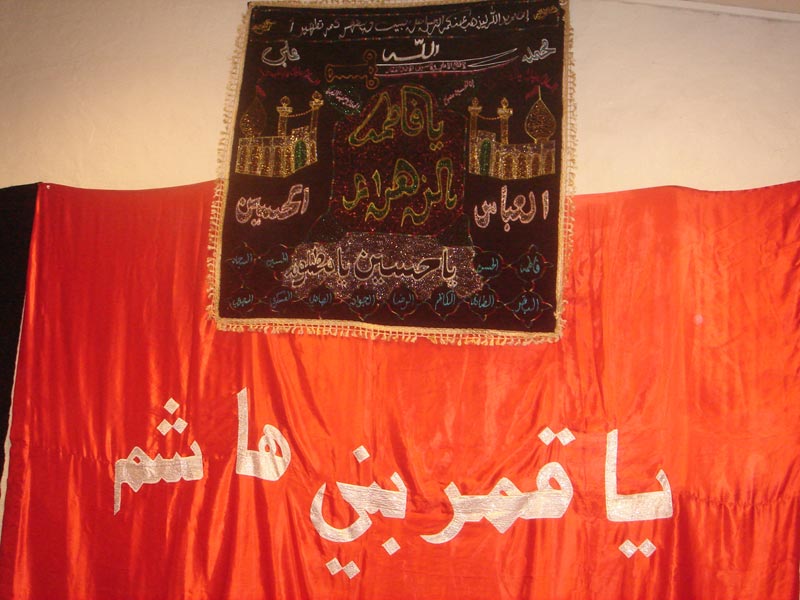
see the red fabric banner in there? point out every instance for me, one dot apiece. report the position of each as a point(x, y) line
point(651, 453)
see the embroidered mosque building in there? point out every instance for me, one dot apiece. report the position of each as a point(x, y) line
point(503, 160)
point(284, 153)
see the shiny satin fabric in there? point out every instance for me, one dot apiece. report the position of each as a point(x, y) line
point(680, 347)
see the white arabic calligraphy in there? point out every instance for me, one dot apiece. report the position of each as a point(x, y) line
point(368, 266)
point(646, 506)
point(423, 55)
point(286, 54)
point(514, 213)
point(456, 65)
point(543, 52)
point(365, 501)
point(139, 469)
point(251, 209)
point(424, 25)
point(267, 465)
point(506, 503)
point(489, 209)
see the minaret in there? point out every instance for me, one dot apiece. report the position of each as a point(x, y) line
point(315, 104)
point(504, 112)
point(284, 110)
point(474, 110)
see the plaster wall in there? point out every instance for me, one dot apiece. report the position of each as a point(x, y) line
point(123, 95)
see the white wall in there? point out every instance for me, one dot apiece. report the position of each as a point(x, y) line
point(669, 96)
point(112, 94)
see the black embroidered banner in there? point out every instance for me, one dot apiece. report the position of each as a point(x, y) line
point(397, 171)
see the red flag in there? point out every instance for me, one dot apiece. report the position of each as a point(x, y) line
point(651, 453)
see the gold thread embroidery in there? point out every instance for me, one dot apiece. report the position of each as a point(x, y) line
point(376, 331)
point(282, 154)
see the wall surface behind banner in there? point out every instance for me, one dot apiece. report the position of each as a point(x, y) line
point(130, 94)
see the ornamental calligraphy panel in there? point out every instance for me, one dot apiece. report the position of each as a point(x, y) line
point(397, 171)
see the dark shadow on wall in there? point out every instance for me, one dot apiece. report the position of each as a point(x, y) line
point(17, 208)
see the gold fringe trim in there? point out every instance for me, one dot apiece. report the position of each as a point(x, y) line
point(568, 166)
point(224, 154)
point(482, 337)
point(458, 337)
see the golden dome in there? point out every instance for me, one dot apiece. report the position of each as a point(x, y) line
point(540, 123)
point(254, 119)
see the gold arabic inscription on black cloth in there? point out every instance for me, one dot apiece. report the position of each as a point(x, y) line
point(397, 171)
